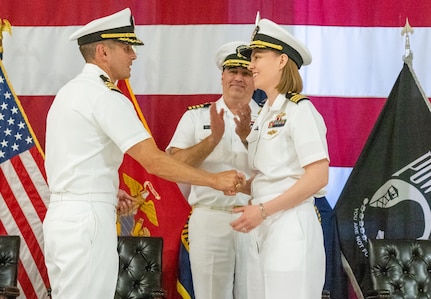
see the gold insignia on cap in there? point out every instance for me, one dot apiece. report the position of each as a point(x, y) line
point(109, 84)
point(118, 26)
point(227, 55)
point(236, 62)
point(242, 49)
point(262, 44)
point(130, 41)
point(117, 35)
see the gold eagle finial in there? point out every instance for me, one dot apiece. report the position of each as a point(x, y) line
point(4, 26)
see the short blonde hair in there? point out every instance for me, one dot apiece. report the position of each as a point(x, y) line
point(290, 80)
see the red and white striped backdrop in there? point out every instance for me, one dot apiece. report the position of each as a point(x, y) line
point(357, 50)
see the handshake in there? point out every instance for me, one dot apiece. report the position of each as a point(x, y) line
point(231, 182)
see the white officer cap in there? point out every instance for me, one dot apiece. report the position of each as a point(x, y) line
point(227, 55)
point(118, 26)
point(269, 35)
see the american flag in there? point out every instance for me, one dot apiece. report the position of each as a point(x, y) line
point(357, 50)
point(23, 190)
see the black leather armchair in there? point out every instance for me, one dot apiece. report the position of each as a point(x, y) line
point(9, 257)
point(400, 269)
point(140, 269)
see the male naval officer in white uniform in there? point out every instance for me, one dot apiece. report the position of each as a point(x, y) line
point(212, 136)
point(90, 126)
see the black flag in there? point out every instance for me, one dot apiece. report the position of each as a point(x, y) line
point(388, 193)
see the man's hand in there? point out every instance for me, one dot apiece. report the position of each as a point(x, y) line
point(230, 182)
point(126, 203)
point(197, 153)
point(217, 123)
point(242, 121)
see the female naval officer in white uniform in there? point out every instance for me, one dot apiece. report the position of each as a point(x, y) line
point(288, 149)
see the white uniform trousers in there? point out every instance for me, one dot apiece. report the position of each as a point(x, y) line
point(217, 255)
point(287, 256)
point(81, 246)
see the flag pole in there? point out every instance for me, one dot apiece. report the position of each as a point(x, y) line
point(408, 54)
point(4, 26)
point(408, 58)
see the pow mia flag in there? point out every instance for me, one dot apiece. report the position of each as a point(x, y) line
point(388, 194)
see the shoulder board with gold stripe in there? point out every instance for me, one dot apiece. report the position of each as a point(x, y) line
point(205, 105)
point(109, 84)
point(296, 97)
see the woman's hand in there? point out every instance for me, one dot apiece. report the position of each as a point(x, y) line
point(251, 217)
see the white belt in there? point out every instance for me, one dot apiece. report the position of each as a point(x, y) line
point(89, 197)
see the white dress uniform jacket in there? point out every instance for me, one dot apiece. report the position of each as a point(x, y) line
point(287, 257)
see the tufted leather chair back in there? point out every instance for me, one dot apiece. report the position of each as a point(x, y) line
point(9, 256)
point(402, 267)
point(140, 268)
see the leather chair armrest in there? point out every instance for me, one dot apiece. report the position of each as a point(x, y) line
point(378, 294)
